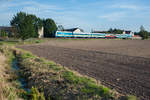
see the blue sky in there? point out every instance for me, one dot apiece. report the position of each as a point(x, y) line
point(86, 14)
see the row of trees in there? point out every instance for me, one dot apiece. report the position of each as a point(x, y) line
point(115, 31)
point(27, 26)
point(143, 33)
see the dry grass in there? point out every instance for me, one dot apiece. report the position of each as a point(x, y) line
point(7, 80)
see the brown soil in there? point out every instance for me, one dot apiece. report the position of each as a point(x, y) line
point(123, 65)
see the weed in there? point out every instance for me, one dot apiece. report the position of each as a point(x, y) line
point(131, 97)
point(36, 95)
point(38, 41)
point(27, 55)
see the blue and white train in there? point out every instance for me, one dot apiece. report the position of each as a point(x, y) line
point(91, 35)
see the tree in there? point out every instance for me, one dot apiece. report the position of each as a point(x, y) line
point(27, 25)
point(143, 33)
point(50, 28)
point(110, 30)
point(142, 28)
point(17, 20)
point(115, 31)
point(60, 28)
point(27, 28)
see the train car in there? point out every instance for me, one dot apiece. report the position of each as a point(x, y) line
point(64, 34)
point(91, 35)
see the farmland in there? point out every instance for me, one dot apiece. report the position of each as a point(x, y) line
point(123, 65)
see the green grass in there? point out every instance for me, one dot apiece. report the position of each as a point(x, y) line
point(12, 42)
point(27, 55)
point(131, 97)
point(72, 78)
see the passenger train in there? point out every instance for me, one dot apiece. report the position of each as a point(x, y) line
point(91, 35)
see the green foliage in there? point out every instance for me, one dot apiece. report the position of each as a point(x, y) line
point(3, 34)
point(105, 92)
point(115, 31)
point(50, 28)
point(89, 86)
point(131, 97)
point(27, 55)
point(143, 33)
point(60, 28)
point(27, 28)
point(36, 95)
point(37, 41)
point(93, 89)
point(27, 25)
point(42, 97)
point(72, 78)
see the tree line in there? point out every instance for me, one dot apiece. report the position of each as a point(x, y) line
point(27, 26)
point(143, 33)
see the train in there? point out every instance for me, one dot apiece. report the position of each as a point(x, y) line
point(91, 35)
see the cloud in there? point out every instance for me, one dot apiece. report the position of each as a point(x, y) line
point(115, 16)
point(127, 6)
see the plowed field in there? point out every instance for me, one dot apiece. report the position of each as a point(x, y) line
point(123, 65)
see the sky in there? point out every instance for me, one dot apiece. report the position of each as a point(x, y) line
point(86, 14)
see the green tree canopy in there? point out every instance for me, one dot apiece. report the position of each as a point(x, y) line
point(115, 31)
point(60, 28)
point(143, 33)
point(26, 24)
point(50, 28)
point(27, 28)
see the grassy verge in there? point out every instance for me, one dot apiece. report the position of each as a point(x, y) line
point(58, 82)
point(12, 42)
point(50, 81)
point(9, 85)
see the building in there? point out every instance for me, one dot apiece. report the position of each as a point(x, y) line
point(41, 32)
point(7, 29)
point(74, 30)
point(12, 30)
point(128, 32)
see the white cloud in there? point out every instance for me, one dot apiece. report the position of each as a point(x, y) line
point(116, 16)
point(127, 6)
point(136, 7)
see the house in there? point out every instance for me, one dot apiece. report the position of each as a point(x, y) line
point(74, 30)
point(7, 29)
point(128, 32)
point(11, 30)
